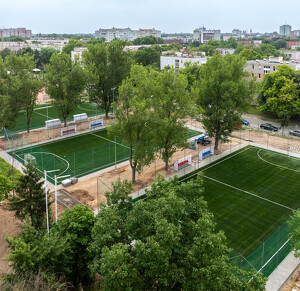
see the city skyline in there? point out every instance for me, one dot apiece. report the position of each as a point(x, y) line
point(65, 16)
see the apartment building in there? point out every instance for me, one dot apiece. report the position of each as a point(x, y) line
point(204, 35)
point(258, 68)
point(125, 33)
point(285, 30)
point(293, 55)
point(179, 61)
point(292, 44)
point(23, 32)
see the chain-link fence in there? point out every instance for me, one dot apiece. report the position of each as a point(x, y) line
point(268, 255)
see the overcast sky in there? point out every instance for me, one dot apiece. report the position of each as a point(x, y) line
point(86, 16)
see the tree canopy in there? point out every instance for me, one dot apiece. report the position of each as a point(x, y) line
point(223, 94)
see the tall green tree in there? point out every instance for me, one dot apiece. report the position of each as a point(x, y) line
point(280, 94)
point(23, 83)
point(147, 56)
point(77, 225)
point(167, 241)
point(134, 117)
point(224, 94)
point(66, 81)
point(107, 65)
point(5, 187)
point(30, 198)
point(172, 103)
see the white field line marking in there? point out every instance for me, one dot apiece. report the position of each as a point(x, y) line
point(233, 187)
point(68, 165)
point(87, 109)
point(43, 115)
point(202, 170)
point(298, 171)
point(110, 140)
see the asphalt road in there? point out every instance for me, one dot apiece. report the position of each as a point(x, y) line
point(256, 121)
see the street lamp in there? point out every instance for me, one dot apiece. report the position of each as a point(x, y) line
point(46, 172)
point(113, 89)
point(57, 177)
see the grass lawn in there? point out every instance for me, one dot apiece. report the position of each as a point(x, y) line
point(248, 220)
point(79, 155)
point(39, 116)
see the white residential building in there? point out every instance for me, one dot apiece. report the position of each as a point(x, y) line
point(203, 35)
point(77, 53)
point(258, 68)
point(294, 55)
point(178, 62)
point(125, 33)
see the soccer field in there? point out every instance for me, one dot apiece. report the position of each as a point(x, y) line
point(251, 193)
point(40, 115)
point(79, 155)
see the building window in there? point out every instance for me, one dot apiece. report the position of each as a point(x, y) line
point(252, 67)
point(252, 75)
point(258, 76)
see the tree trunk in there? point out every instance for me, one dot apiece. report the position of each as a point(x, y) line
point(106, 113)
point(166, 161)
point(28, 115)
point(216, 143)
point(133, 175)
point(65, 121)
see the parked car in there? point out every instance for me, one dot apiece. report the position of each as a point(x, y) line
point(245, 122)
point(295, 132)
point(268, 126)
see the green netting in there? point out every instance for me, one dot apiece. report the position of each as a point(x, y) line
point(79, 163)
point(268, 255)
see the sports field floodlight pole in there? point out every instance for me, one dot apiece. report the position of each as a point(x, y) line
point(113, 89)
point(46, 172)
point(57, 177)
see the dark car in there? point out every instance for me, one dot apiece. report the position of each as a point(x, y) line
point(294, 132)
point(268, 126)
point(245, 122)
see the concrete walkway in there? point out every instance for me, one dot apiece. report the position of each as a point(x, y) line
point(282, 273)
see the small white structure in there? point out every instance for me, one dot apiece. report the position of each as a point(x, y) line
point(28, 158)
point(95, 123)
point(66, 182)
point(68, 130)
point(82, 117)
point(182, 163)
point(179, 62)
point(53, 123)
point(206, 152)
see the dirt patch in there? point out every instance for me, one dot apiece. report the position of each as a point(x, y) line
point(83, 196)
point(8, 226)
point(294, 282)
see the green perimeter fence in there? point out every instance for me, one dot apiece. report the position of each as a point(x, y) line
point(268, 255)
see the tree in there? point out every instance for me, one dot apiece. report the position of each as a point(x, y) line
point(147, 56)
point(134, 117)
point(76, 225)
point(34, 250)
point(5, 187)
point(223, 94)
point(167, 241)
point(280, 94)
point(69, 47)
point(192, 71)
point(45, 55)
point(23, 83)
point(250, 54)
point(5, 52)
point(107, 66)
point(172, 104)
point(294, 224)
point(280, 43)
point(66, 81)
point(30, 197)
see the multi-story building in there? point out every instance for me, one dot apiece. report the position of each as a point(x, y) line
point(292, 44)
point(225, 51)
point(23, 32)
point(125, 33)
point(147, 32)
point(179, 61)
point(258, 68)
point(293, 55)
point(204, 35)
point(77, 53)
point(285, 30)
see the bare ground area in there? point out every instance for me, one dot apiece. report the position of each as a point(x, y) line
point(294, 282)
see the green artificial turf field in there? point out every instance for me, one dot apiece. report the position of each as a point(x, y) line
point(79, 155)
point(251, 193)
point(39, 116)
